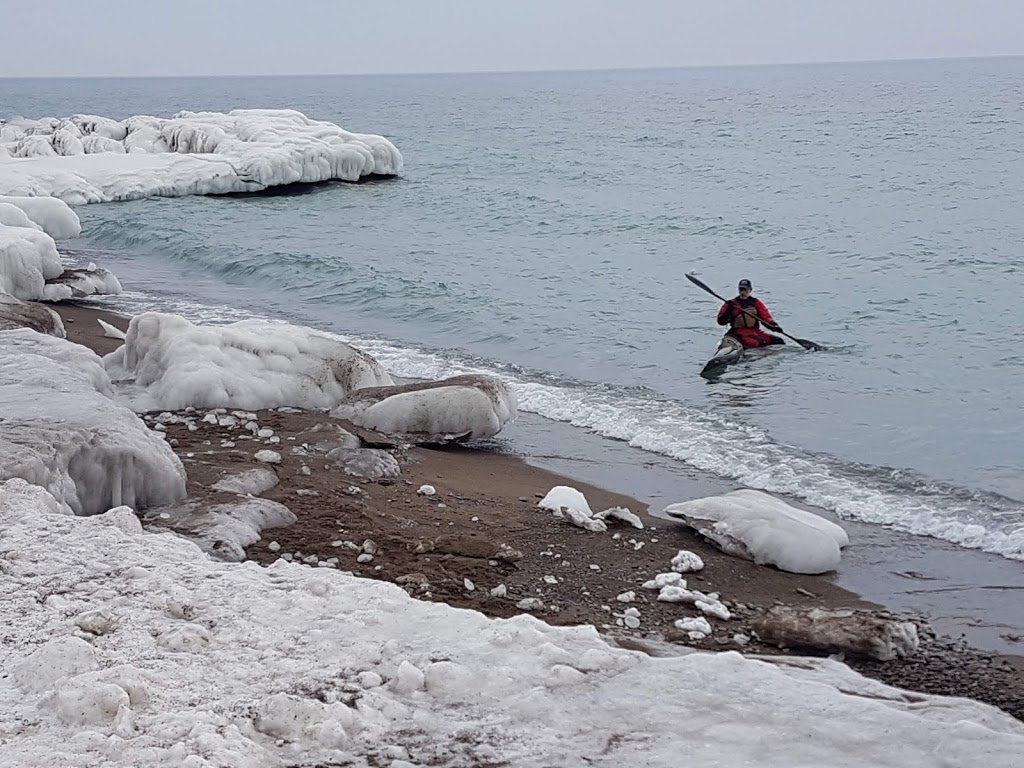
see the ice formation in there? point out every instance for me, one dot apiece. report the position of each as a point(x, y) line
point(167, 363)
point(759, 527)
point(142, 651)
point(31, 268)
point(470, 407)
point(61, 431)
point(89, 159)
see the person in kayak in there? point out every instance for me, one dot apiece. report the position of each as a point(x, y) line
point(746, 325)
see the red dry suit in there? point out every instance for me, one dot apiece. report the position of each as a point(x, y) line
point(746, 328)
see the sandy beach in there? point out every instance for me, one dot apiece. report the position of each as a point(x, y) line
point(481, 530)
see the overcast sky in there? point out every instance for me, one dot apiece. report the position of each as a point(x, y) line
point(238, 37)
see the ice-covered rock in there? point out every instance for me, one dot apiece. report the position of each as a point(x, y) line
point(15, 313)
point(470, 407)
point(843, 631)
point(252, 482)
point(192, 153)
point(370, 463)
point(222, 530)
point(759, 527)
point(61, 431)
point(168, 363)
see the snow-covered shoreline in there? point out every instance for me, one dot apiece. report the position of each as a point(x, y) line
point(136, 649)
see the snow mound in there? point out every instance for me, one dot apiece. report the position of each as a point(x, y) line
point(759, 527)
point(167, 363)
point(208, 663)
point(90, 159)
point(52, 216)
point(60, 430)
point(223, 530)
point(469, 407)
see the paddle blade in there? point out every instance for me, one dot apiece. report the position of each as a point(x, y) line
point(807, 344)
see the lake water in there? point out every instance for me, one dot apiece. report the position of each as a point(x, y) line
point(544, 224)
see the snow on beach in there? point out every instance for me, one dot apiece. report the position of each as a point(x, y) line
point(89, 159)
point(136, 649)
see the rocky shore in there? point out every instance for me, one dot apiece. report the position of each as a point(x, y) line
point(462, 526)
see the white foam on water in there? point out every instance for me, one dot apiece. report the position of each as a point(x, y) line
point(715, 445)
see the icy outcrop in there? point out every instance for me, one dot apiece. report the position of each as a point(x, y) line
point(469, 407)
point(755, 526)
point(61, 431)
point(168, 363)
point(89, 159)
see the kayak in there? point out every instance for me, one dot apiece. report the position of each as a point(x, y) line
point(729, 351)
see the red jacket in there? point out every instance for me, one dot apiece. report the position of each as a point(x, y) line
point(730, 314)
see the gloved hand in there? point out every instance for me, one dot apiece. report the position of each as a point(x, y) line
point(774, 327)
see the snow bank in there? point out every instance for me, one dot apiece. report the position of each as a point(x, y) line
point(136, 649)
point(51, 215)
point(61, 431)
point(89, 159)
point(469, 407)
point(759, 527)
point(167, 363)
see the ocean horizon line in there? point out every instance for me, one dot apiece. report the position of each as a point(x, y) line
point(525, 71)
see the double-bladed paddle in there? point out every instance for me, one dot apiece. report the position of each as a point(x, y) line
point(806, 344)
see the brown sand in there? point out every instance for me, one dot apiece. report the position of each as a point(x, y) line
point(483, 528)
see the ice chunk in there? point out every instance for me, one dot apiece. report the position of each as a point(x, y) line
point(759, 527)
point(471, 407)
point(60, 432)
point(192, 153)
point(563, 497)
point(365, 462)
point(167, 363)
point(252, 481)
point(619, 513)
point(223, 530)
point(687, 562)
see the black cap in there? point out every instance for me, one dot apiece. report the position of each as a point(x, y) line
point(745, 284)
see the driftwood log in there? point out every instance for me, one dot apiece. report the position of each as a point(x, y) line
point(852, 632)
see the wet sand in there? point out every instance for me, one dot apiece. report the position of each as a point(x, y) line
point(482, 529)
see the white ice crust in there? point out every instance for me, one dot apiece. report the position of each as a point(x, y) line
point(60, 430)
point(168, 363)
point(136, 649)
point(89, 159)
point(764, 529)
point(470, 407)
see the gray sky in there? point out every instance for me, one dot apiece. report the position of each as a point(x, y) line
point(222, 37)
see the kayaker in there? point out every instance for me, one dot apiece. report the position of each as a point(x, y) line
point(746, 325)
